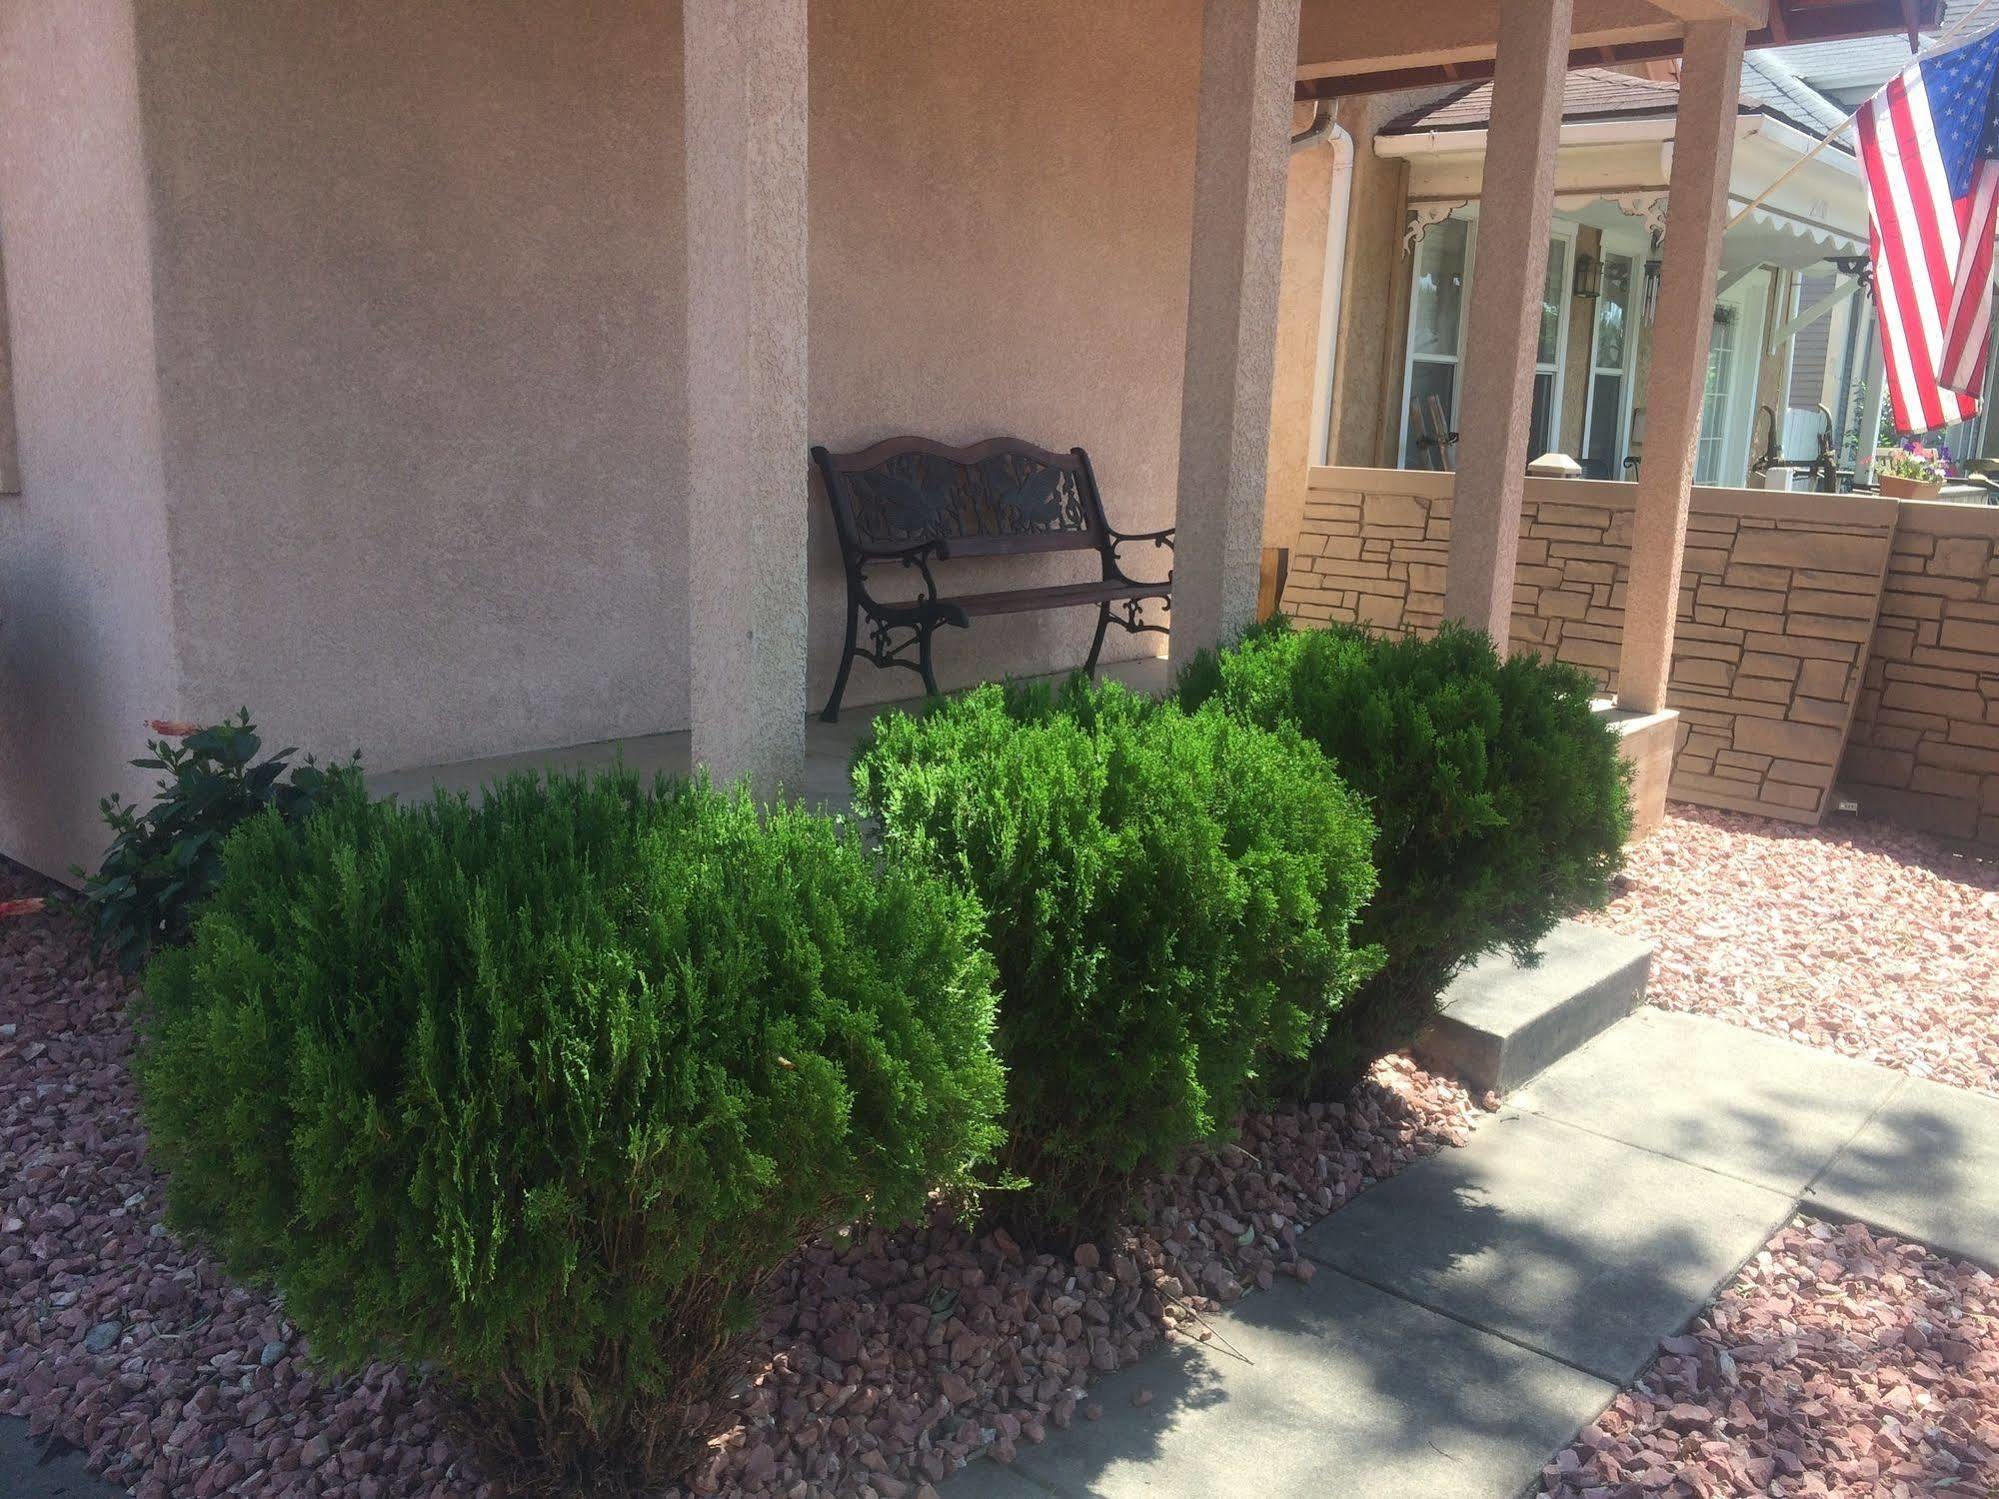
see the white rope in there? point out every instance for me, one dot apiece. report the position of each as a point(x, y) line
point(1941, 44)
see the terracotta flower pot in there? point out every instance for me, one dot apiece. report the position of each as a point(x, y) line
point(1908, 489)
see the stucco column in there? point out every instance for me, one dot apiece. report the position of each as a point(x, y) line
point(1516, 203)
point(1249, 52)
point(1696, 214)
point(746, 421)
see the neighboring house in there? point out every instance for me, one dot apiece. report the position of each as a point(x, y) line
point(1791, 342)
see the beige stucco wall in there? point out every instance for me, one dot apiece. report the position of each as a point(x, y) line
point(10, 449)
point(86, 639)
point(416, 278)
point(999, 244)
point(419, 284)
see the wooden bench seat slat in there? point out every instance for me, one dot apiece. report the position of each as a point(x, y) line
point(911, 502)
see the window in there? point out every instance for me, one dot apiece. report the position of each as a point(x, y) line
point(1441, 285)
point(1612, 349)
point(1543, 423)
point(1436, 339)
point(1718, 397)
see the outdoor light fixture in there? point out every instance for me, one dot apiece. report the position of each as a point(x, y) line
point(1589, 277)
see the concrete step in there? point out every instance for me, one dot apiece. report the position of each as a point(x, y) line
point(1503, 1022)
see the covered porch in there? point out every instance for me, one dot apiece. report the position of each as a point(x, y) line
point(471, 422)
point(753, 637)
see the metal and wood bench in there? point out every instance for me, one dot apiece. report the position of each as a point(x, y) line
point(908, 502)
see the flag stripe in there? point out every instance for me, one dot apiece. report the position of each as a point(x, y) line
point(1929, 150)
point(1903, 334)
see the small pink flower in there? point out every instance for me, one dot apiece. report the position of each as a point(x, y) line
point(172, 728)
point(31, 906)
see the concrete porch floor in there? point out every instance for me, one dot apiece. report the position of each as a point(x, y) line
point(828, 748)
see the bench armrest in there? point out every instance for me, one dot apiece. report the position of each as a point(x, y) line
point(1114, 568)
point(918, 557)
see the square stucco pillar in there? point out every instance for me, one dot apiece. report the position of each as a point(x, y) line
point(1516, 203)
point(746, 486)
point(1249, 58)
point(1697, 206)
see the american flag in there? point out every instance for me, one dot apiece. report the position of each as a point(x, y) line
point(1929, 149)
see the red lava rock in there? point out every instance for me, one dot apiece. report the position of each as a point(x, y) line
point(1856, 937)
point(888, 1358)
point(1819, 1371)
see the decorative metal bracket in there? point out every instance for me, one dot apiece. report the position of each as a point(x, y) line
point(1651, 207)
point(1422, 216)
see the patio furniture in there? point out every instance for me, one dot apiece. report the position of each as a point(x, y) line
point(1438, 443)
point(908, 502)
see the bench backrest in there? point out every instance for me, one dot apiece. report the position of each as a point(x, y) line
point(994, 497)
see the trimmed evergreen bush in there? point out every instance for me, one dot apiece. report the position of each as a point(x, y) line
point(1500, 796)
point(540, 1090)
point(1168, 898)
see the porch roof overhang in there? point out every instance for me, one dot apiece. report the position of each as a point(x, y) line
point(1612, 172)
point(1346, 49)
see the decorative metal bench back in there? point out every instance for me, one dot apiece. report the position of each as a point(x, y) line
point(998, 496)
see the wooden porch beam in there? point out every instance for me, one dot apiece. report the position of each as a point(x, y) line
point(1786, 27)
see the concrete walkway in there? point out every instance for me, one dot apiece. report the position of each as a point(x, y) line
point(1474, 1312)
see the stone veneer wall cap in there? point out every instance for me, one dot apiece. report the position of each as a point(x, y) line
point(1798, 505)
point(1417, 481)
point(1940, 518)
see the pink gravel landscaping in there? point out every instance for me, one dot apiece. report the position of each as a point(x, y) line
point(890, 1358)
point(1839, 1362)
point(1856, 937)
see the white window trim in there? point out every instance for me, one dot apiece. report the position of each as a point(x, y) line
point(1410, 358)
point(1565, 231)
point(1634, 251)
point(1750, 299)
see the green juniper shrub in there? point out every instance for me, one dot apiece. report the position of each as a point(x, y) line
point(1501, 800)
point(540, 1090)
point(163, 862)
point(1168, 898)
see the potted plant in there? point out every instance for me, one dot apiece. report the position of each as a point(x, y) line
point(1910, 472)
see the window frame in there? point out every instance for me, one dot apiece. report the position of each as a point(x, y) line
point(1635, 251)
point(1560, 230)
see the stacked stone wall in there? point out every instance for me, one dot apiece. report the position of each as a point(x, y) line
point(1925, 742)
point(1778, 600)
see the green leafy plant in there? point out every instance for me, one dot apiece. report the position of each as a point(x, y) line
point(541, 1090)
point(164, 861)
point(1168, 899)
point(1500, 795)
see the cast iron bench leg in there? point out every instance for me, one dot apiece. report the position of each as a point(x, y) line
point(831, 714)
point(1097, 645)
point(930, 686)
